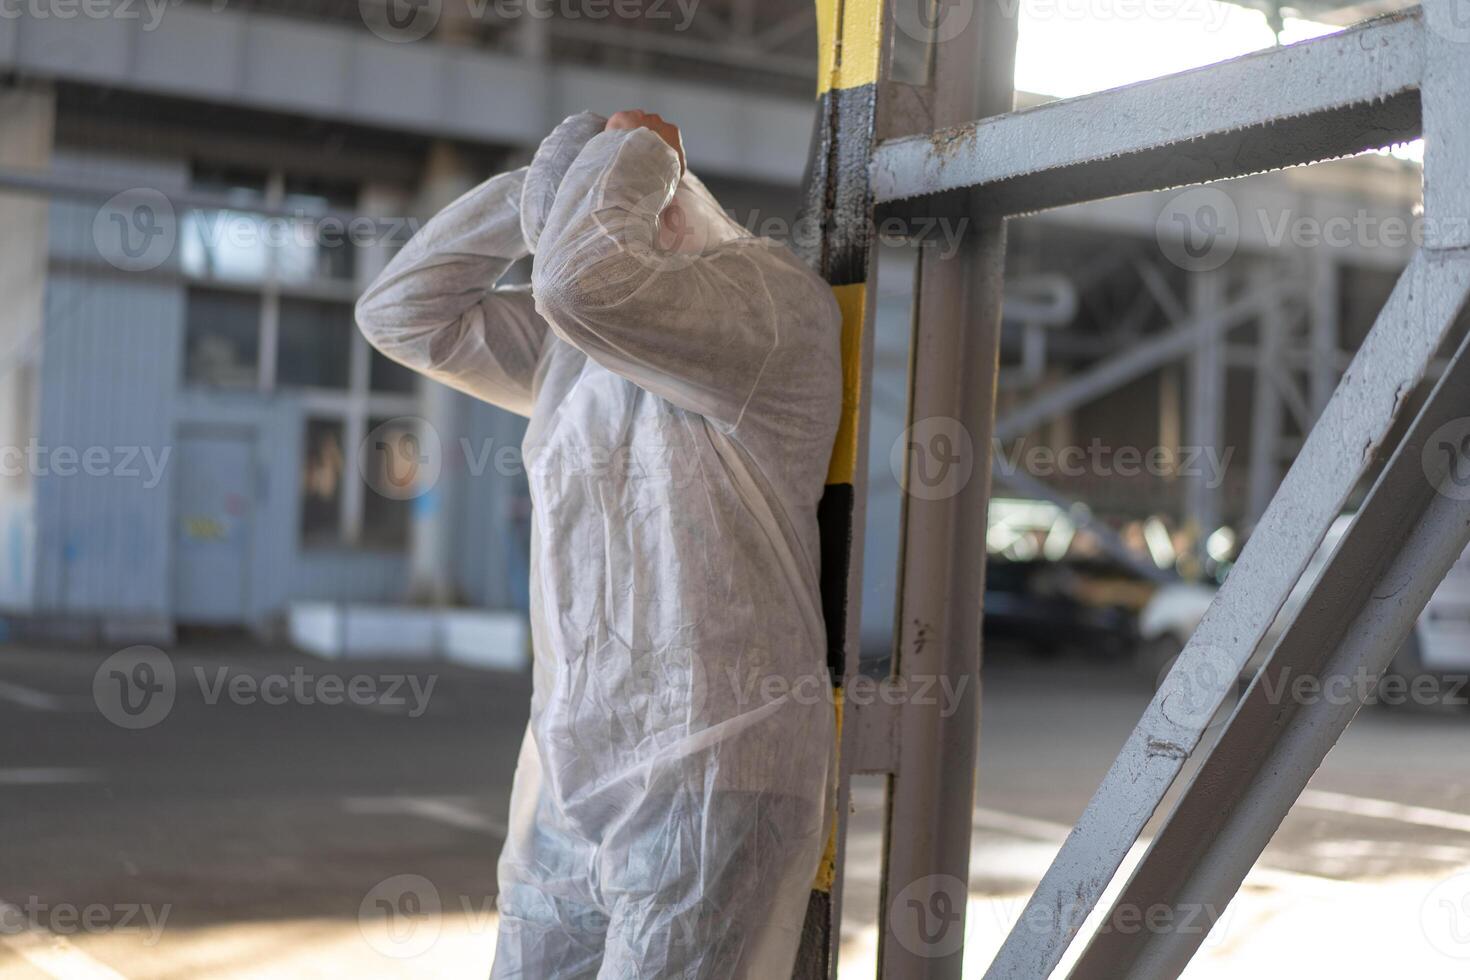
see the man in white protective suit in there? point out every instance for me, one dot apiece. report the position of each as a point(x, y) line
point(683, 384)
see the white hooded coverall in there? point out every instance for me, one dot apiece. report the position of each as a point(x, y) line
point(668, 810)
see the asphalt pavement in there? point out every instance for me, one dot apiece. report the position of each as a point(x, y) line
point(236, 812)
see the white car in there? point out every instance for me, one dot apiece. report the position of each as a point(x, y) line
point(1438, 647)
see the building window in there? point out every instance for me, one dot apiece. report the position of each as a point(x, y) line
point(390, 377)
point(317, 249)
point(222, 338)
point(227, 244)
point(323, 472)
point(384, 518)
point(272, 274)
point(314, 344)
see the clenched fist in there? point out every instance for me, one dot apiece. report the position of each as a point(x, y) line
point(635, 118)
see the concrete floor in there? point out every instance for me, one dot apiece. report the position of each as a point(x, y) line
point(239, 838)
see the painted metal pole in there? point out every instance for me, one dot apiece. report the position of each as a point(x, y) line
point(1323, 330)
point(1205, 429)
point(1267, 405)
point(838, 201)
point(947, 490)
point(946, 483)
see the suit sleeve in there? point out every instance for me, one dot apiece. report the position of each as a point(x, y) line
point(723, 332)
point(436, 308)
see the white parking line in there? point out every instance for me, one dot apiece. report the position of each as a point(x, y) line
point(1050, 832)
point(53, 955)
point(47, 777)
point(29, 698)
point(1016, 825)
point(1362, 806)
point(430, 808)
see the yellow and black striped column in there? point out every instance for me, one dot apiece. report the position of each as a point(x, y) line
point(838, 199)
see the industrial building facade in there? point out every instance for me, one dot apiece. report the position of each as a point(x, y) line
point(188, 416)
point(185, 392)
point(186, 403)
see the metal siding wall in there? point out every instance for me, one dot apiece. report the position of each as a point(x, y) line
point(110, 377)
point(281, 570)
point(108, 374)
point(276, 426)
point(490, 554)
point(26, 126)
point(356, 576)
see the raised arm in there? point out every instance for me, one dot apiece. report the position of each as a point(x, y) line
point(723, 331)
point(436, 308)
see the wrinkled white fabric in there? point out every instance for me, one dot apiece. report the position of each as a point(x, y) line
point(683, 384)
point(554, 157)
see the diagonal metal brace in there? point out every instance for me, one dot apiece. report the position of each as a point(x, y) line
point(1410, 531)
point(1391, 362)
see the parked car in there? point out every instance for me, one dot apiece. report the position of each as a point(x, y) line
point(1438, 647)
point(1053, 606)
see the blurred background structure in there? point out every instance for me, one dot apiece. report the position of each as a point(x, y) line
point(195, 201)
point(197, 447)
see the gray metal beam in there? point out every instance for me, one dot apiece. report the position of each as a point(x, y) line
point(1205, 425)
point(1138, 360)
point(1267, 413)
point(89, 187)
point(1447, 151)
point(1108, 539)
point(1323, 328)
point(1414, 525)
point(941, 592)
point(954, 364)
point(1392, 360)
point(1331, 96)
point(334, 72)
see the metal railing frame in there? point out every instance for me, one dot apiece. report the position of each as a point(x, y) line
point(948, 148)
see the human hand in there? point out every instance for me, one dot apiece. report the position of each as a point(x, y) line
point(637, 118)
